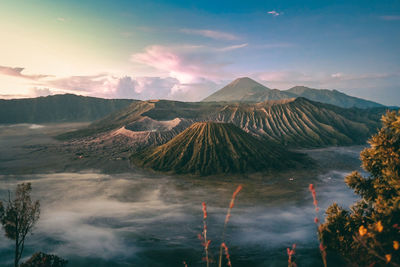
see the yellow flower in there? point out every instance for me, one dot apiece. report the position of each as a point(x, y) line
point(362, 230)
point(396, 245)
point(379, 227)
point(388, 257)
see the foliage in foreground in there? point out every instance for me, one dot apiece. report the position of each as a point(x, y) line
point(40, 259)
point(369, 233)
point(223, 248)
point(18, 216)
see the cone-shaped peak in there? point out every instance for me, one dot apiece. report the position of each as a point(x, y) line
point(210, 148)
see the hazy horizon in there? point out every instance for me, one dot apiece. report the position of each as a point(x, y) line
point(13, 97)
point(186, 50)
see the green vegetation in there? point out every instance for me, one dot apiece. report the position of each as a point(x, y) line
point(40, 259)
point(369, 234)
point(248, 90)
point(210, 148)
point(18, 217)
point(58, 108)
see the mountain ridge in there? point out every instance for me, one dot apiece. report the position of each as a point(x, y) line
point(296, 122)
point(247, 90)
point(58, 108)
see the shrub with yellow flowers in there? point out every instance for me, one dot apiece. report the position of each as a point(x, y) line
point(369, 233)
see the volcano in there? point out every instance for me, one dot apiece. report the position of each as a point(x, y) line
point(207, 148)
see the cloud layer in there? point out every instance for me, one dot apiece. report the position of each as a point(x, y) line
point(186, 63)
point(17, 72)
point(217, 35)
point(113, 86)
point(274, 13)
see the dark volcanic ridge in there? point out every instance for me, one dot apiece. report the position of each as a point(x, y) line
point(207, 148)
point(59, 108)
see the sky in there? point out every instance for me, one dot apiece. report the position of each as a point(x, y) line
point(187, 49)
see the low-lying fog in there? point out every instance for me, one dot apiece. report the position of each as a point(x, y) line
point(139, 219)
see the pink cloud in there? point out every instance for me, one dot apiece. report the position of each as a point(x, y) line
point(111, 86)
point(82, 83)
point(37, 91)
point(188, 64)
point(274, 13)
point(17, 72)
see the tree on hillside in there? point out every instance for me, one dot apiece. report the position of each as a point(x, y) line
point(18, 216)
point(369, 233)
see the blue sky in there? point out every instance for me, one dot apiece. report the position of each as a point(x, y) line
point(187, 49)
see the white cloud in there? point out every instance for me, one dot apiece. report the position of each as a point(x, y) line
point(100, 83)
point(17, 72)
point(194, 92)
point(37, 91)
point(211, 34)
point(337, 75)
point(107, 85)
point(126, 88)
point(233, 47)
point(188, 64)
point(155, 87)
point(274, 13)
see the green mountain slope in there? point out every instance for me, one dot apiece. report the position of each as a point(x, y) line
point(210, 148)
point(248, 90)
point(58, 108)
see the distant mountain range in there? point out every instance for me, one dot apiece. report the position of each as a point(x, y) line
point(58, 108)
point(248, 90)
point(207, 148)
point(73, 108)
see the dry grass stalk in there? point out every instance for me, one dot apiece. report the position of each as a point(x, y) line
point(322, 248)
point(206, 242)
point(228, 257)
point(291, 252)
point(228, 215)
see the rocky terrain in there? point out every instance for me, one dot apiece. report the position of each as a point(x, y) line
point(210, 148)
point(296, 122)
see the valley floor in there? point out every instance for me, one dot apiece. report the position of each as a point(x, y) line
point(99, 211)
